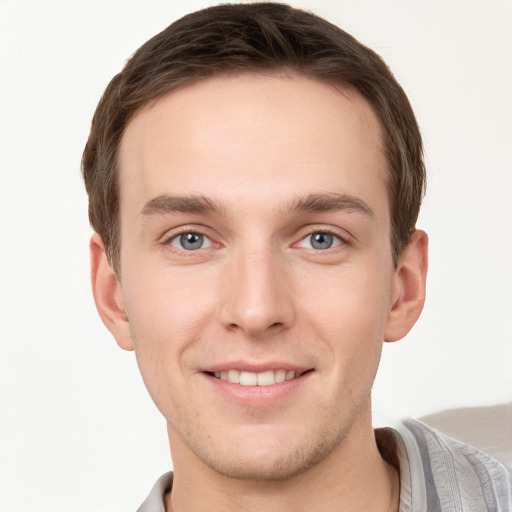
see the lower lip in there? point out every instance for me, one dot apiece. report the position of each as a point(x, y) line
point(257, 396)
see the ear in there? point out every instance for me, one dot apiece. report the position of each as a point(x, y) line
point(409, 288)
point(108, 295)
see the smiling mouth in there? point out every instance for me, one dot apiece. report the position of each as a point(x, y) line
point(266, 378)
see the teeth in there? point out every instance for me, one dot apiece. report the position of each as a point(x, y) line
point(280, 376)
point(248, 378)
point(290, 375)
point(266, 378)
point(234, 376)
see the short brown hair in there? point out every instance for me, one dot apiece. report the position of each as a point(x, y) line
point(264, 38)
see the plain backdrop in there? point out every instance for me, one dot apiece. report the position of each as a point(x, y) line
point(77, 428)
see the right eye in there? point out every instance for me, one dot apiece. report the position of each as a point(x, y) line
point(321, 241)
point(191, 241)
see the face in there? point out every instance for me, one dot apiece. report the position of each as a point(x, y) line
point(256, 269)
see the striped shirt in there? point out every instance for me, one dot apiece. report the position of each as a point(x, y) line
point(441, 474)
point(437, 473)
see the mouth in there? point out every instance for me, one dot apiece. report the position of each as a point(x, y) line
point(264, 378)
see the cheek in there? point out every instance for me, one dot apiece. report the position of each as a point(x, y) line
point(166, 314)
point(355, 298)
point(348, 311)
point(166, 305)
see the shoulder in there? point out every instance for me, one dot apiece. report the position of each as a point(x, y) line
point(155, 502)
point(446, 474)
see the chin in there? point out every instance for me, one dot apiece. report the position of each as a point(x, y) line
point(270, 468)
point(261, 460)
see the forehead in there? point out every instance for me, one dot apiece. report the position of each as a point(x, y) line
point(240, 137)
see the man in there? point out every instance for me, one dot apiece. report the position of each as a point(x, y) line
point(254, 177)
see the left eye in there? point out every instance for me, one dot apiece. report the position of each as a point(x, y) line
point(320, 241)
point(191, 241)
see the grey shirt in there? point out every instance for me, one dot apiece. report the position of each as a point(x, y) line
point(437, 473)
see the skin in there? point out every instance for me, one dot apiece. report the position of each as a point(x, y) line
point(278, 158)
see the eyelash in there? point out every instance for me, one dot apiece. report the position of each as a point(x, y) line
point(336, 240)
point(187, 231)
point(339, 241)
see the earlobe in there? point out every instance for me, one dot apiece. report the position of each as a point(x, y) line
point(108, 294)
point(409, 288)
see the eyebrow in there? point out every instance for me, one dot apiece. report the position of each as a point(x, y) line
point(311, 203)
point(329, 202)
point(180, 204)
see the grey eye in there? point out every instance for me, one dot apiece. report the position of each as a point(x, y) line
point(190, 241)
point(321, 241)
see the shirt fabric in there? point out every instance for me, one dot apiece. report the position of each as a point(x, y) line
point(437, 473)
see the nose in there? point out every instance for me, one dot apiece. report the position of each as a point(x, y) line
point(257, 294)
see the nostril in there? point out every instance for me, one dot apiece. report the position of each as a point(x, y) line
point(273, 326)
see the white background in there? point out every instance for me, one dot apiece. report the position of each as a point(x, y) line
point(77, 429)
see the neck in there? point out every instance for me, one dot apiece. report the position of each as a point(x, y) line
point(353, 477)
